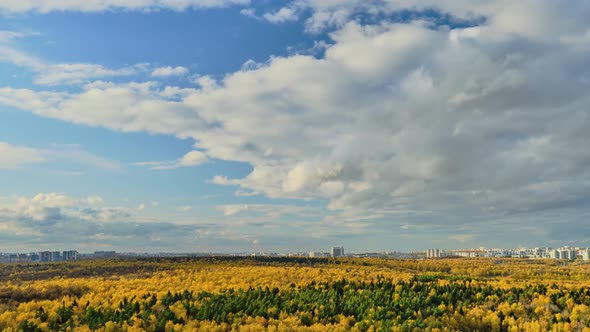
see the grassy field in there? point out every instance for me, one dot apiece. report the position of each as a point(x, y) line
point(292, 294)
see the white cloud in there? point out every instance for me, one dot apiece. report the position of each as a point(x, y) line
point(12, 156)
point(77, 73)
point(47, 207)
point(50, 200)
point(305, 175)
point(527, 18)
point(249, 12)
point(192, 158)
point(46, 6)
point(134, 106)
point(58, 200)
point(488, 121)
point(251, 65)
point(461, 237)
point(8, 53)
point(94, 200)
point(205, 82)
point(169, 71)
point(56, 74)
point(6, 36)
point(60, 222)
point(269, 211)
point(284, 14)
point(244, 193)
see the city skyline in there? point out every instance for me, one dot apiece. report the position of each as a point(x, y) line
point(235, 125)
point(333, 251)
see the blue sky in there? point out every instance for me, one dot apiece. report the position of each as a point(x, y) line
point(236, 125)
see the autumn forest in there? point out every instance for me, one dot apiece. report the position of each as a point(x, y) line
point(295, 294)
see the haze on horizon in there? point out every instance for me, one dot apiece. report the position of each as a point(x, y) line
point(232, 125)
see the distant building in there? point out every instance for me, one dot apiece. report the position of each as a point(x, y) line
point(105, 254)
point(23, 258)
point(337, 251)
point(433, 253)
point(567, 253)
point(45, 256)
point(586, 254)
point(468, 253)
point(315, 254)
point(539, 253)
point(70, 255)
point(55, 256)
point(563, 253)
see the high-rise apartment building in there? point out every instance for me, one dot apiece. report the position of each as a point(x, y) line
point(337, 251)
point(433, 253)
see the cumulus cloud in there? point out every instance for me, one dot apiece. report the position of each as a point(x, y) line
point(169, 71)
point(326, 14)
point(134, 106)
point(192, 158)
point(284, 14)
point(289, 13)
point(46, 6)
point(47, 207)
point(58, 222)
point(484, 121)
point(249, 12)
point(528, 18)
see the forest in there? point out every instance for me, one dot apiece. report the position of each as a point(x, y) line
point(295, 294)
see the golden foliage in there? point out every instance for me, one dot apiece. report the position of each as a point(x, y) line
point(509, 295)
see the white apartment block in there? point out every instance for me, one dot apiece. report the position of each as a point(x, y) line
point(563, 253)
point(433, 253)
point(337, 251)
